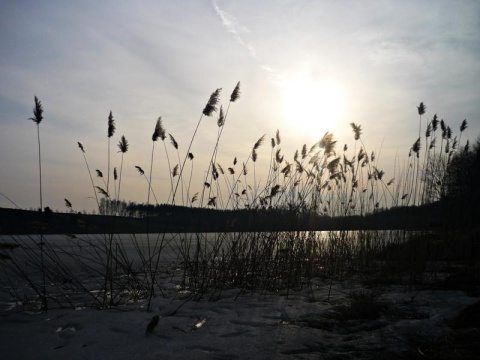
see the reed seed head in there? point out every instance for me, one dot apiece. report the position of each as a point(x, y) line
point(159, 130)
point(140, 170)
point(68, 204)
point(111, 125)
point(123, 145)
point(254, 155)
point(463, 126)
point(99, 173)
point(429, 130)
point(416, 147)
point(173, 141)
point(194, 198)
point(236, 93)
point(259, 142)
point(449, 132)
point(81, 146)
point(221, 117)
point(357, 130)
point(278, 157)
point(421, 109)
point(115, 174)
point(435, 123)
point(37, 112)
point(190, 156)
point(102, 191)
point(212, 103)
point(442, 126)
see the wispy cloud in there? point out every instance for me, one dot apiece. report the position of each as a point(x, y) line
point(233, 26)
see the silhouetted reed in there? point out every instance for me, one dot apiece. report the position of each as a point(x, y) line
point(320, 181)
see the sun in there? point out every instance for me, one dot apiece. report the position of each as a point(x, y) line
point(313, 106)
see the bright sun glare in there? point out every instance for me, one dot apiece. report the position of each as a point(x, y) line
point(313, 106)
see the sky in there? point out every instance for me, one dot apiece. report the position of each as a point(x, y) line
point(305, 68)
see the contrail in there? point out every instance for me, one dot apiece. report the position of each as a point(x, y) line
point(231, 24)
point(233, 27)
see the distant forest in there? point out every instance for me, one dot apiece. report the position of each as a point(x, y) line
point(458, 208)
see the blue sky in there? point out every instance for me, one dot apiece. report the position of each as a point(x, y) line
point(306, 67)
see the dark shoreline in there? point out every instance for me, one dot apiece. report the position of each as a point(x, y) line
point(181, 219)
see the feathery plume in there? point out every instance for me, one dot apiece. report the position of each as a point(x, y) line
point(277, 137)
point(236, 93)
point(258, 143)
point(278, 157)
point(123, 145)
point(68, 204)
point(190, 156)
point(275, 190)
point(111, 125)
point(115, 174)
point(102, 191)
point(429, 130)
point(194, 198)
point(81, 147)
point(416, 147)
point(212, 103)
point(221, 117)
point(37, 112)
point(159, 131)
point(140, 170)
point(99, 173)
point(357, 130)
point(333, 165)
point(421, 109)
point(254, 155)
point(304, 151)
point(173, 141)
point(175, 171)
point(464, 125)
point(435, 123)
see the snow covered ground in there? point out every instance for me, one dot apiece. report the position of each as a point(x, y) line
point(339, 320)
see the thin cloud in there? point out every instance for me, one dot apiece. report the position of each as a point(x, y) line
point(233, 27)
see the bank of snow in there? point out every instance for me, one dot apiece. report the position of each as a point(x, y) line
point(320, 322)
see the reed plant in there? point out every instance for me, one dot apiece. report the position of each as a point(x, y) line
point(321, 180)
point(37, 119)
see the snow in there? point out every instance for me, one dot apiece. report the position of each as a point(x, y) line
point(234, 324)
